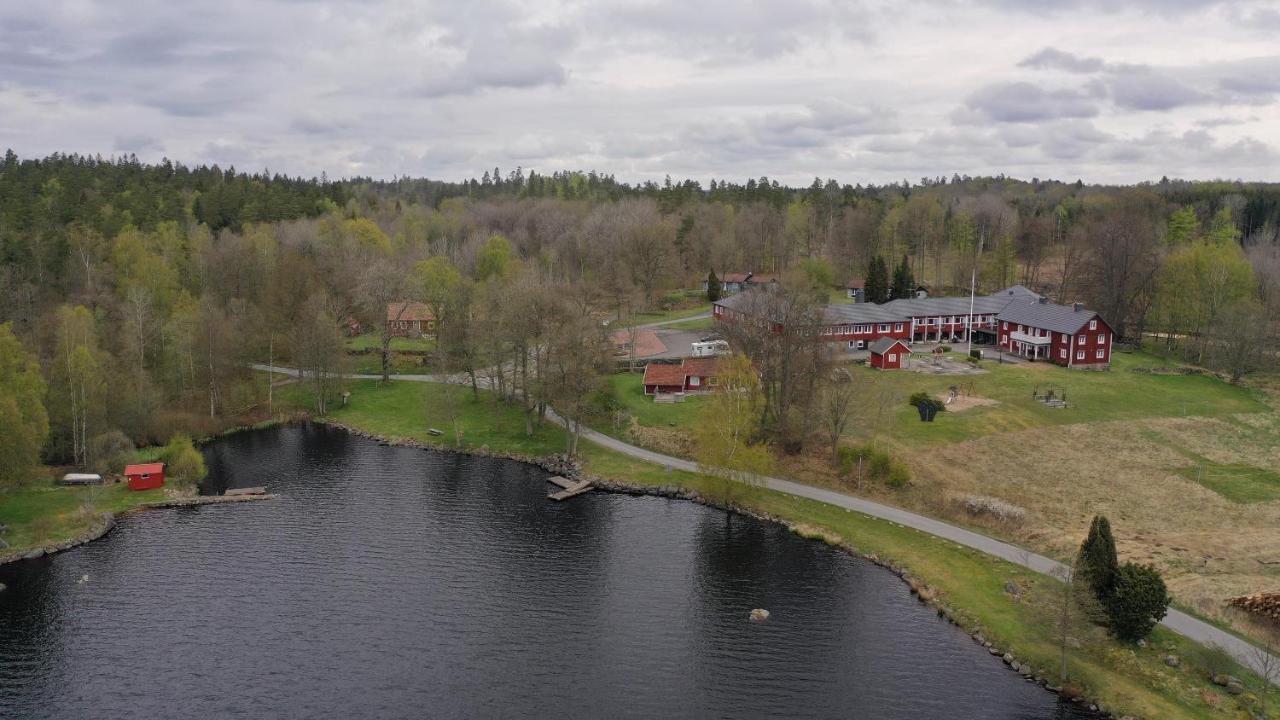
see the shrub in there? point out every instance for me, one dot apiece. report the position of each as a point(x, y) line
point(899, 476)
point(1138, 601)
point(975, 354)
point(184, 465)
point(924, 400)
point(110, 451)
point(944, 348)
point(672, 299)
point(878, 466)
point(993, 508)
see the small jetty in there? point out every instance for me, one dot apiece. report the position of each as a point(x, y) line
point(568, 488)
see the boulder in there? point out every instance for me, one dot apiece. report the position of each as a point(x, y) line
point(1171, 661)
point(34, 554)
point(759, 615)
point(1012, 588)
point(1235, 687)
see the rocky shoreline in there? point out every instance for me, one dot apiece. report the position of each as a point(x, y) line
point(107, 521)
point(565, 467)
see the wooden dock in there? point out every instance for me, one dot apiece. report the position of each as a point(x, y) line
point(568, 487)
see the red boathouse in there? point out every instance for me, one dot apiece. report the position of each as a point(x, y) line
point(145, 476)
point(889, 353)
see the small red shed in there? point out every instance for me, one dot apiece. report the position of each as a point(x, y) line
point(145, 476)
point(889, 353)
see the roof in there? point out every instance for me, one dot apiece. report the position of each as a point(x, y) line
point(885, 344)
point(856, 283)
point(664, 374)
point(670, 374)
point(411, 311)
point(144, 469)
point(1046, 315)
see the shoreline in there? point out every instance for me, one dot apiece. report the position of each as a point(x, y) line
point(921, 591)
point(106, 522)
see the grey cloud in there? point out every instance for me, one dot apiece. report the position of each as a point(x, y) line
point(1053, 58)
point(1026, 102)
point(507, 59)
point(1148, 90)
point(138, 144)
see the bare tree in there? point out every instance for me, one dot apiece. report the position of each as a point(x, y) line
point(838, 402)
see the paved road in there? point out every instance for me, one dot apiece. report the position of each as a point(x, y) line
point(660, 323)
point(1175, 620)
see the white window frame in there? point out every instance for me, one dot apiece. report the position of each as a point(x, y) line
point(1062, 353)
point(1101, 353)
point(1083, 339)
point(1093, 324)
point(893, 357)
point(1079, 354)
point(1102, 338)
point(897, 327)
point(884, 327)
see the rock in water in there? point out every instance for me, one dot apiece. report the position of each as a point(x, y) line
point(759, 615)
point(2, 587)
point(84, 579)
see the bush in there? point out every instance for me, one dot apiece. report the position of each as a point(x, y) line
point(899, 476)
point(994, 508)
point(184, 465)
point(1138, 601)
point(945, 348)
point(672, 299)
point(923, 400)
point(975, 354)
point(110, 451)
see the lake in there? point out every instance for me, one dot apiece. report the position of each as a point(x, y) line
point(399, 583)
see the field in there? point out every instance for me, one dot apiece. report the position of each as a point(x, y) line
point(1184, 465)
point(628, 390)
point(646, 318)
point(47, 514)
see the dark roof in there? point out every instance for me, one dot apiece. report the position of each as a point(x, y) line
point(856, 283)
point(884, 344)
point(410, 311)
point(663, 374)
point(1047, 315)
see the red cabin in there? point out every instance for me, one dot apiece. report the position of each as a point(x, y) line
point(889, 353)
point(145, 476)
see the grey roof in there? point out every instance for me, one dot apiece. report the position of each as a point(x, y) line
point(1047, 315)
point(882, 345)
point(1018, 292)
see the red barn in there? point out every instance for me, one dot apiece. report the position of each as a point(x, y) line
point(410, 319)
point(145, 476)
point(889, 353)
point(691, 375)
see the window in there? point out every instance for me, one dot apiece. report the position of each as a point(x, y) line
point(893, 357)
point(853, 344)
point(1082, 339)
point(694, 381)
point(1101, 353)
point(884, 327)
point(1093, 324)
point(1079, 354)
point(1062, 353)
point(1004, 326)
point(897, 327)
point(713, 381)
point(1102, 338)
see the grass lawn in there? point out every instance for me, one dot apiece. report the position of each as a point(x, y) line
point(48, 514)
point(677, 314)
point(628, 388)
point(372, 342)
point(1119, 394)
point(404, 409)
point(695, 324)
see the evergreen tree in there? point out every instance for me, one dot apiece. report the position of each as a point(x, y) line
point(877, 280)
point(1137, 602)
point(1097, 563)
point(904, 281)
point(713, 286)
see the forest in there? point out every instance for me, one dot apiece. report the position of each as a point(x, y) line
point(135, 296)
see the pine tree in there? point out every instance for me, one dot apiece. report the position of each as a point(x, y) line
point(1097, 563)
point(877, 280)
point(713, 286)
point(904, 281)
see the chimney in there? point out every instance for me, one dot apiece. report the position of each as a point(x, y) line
point(1077, 306)
point(1044, 300)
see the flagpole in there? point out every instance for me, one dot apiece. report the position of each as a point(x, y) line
point(973, 291)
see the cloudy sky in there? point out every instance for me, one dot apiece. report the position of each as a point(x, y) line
point(860, 90)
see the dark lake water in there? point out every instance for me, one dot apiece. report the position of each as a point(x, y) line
point(397, 583)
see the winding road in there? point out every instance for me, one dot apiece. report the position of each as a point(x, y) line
point(1176, 620)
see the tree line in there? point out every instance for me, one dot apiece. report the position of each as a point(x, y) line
point(143, 292)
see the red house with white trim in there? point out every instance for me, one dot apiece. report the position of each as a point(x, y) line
point(889, 353)
point(1068, 336)
point(145, 476)
point(691, 375)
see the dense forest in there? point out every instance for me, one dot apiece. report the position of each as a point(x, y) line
point(133, 296)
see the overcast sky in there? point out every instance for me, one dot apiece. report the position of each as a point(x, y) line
point(858, 90)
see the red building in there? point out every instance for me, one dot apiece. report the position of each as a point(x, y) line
point(889, 353)
point(1016, 319)
point(1069, 336)
point(690, 375)
point(145, 476)
point(410, 319)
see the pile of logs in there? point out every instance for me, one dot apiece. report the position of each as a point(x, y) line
point(1263, 604)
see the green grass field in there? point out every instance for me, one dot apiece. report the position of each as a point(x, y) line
point(46, 513)
point(372, 342)
point(677, 314)
point(407, 409)
point(695, 324)
point(628, 389)
point(1118, 394)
